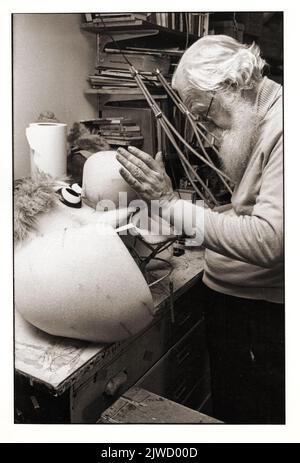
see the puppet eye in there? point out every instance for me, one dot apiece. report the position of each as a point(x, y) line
point(69, 197)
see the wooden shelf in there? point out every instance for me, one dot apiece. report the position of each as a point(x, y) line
point(127, 91)
point(107, 96)
point(164, 33)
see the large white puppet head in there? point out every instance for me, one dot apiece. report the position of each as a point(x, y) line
point(102, 185)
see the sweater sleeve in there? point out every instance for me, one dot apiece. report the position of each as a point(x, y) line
point(256, 238)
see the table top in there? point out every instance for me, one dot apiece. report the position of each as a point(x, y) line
point(56, 361)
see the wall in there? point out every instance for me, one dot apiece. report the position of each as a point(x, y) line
point(51, 60)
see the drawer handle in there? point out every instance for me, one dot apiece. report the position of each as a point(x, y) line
point(115, 383)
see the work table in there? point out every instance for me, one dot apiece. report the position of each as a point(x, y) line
point(61, 364)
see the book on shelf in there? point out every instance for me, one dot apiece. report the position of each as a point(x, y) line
point(189, 23)
point(123, 75)
point(121, 132)
point(112, 86)
point(121, 127)
point(124, 137)
point(174, 51)
point(120, 19)
point(116, 90)
point(117, 23)
point(169, 20)
point(143, 16)
point(108, 121)
point(157, 19)
point(184, 22)
point(88, 17)
point(141, 61)
point(103, 80)
point(130, 51)
point(105, 77)
point(195, 23)
point(95, 17)
point(121, 142)
point(201, 25)
point(173, 21)
point(129, 128)
point(120, 71)
point(180, 21)
point(142, 117)
point(99, 80)
point(113, 15)
point(138, 15)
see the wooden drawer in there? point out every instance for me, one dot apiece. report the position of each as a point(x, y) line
point(181, 369)
point(103, 387)
point(90, 397)
point(199, 397)
point(188, 310)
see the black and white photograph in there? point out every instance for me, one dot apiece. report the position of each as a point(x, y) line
point(148, 219)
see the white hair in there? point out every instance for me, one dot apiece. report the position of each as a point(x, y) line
point(218, 63)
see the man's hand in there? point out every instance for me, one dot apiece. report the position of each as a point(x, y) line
point(147, 176)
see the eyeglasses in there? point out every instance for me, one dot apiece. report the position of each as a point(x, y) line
point(205, 118)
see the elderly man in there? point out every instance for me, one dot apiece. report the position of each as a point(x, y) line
point(222, 79)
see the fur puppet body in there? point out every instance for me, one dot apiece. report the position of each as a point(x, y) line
point(31, 198)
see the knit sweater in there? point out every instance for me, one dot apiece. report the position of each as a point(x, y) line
point(244, 245)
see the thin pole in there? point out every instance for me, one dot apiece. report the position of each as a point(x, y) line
point(164, 123)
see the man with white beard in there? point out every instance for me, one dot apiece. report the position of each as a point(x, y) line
point(221, 80)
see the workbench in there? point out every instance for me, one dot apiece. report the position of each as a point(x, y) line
point(61, 380)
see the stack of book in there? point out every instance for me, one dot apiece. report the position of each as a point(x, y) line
point(117, 131)
point(103, 20)
point(120, 81)
point(112, 74)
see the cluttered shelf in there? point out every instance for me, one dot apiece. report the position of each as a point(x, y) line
point(163, 32)
point(175, 26)
point(147, 42)
point(162, 39)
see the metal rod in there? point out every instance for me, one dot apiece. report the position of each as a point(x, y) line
point(186, 165)
point(181, 106)
point(162, 120)
point(184, 162)
point(165, 122)
point(178, 102)
point(212, 166)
